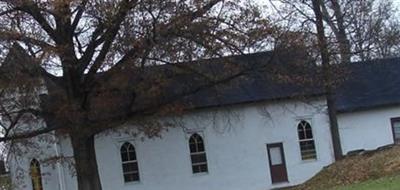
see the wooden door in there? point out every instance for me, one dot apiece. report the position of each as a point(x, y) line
point(277, 164)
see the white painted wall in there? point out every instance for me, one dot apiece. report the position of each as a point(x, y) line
point(41, 150)
point(236, 152)
point(368, 129)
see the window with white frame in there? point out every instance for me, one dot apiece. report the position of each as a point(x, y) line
point(130, 166)
point(306, 141)
point(198, 154)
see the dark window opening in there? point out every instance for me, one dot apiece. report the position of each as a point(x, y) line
point(306, 141)
point(130, 167)
point(198, 154)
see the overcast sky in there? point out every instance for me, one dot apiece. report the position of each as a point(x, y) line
point(263, 2)
point(267, 5)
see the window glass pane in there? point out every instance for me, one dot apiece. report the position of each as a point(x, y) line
point(200, 147)
point(124, 149)
point(192, 140)
point(129, 167)
point(306, 145)
point(396, 124)
point(309, 133)
point(308, 150)
point(276, 156)
point(196, 169)
point(309, 155)
point(128, 177)
point(192, 147)
point(203, 168)
point(200, 168)
point(197, 158)
point(136, 177)
point(124, 156)
point(131, 177)
point(301, 133)
point(132, 155)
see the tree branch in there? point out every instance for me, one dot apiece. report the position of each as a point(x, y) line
point(78, 16)
point(26, 135)
point(32, 9)
point(109, 36)
point(166, 29)
point(24, 38)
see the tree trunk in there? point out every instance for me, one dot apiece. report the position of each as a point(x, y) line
point(332, 114)
point(338, 29)
point(328, 82)
point(344, 44)
point(85, 162)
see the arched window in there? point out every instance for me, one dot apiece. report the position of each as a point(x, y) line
point(306, 140)
point(198, 154)
point(36, 175)
point(130, 167)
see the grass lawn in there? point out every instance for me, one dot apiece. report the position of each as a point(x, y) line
point(386, 183)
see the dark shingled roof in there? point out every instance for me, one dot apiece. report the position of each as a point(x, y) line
point(369, 85)
point(256, 85)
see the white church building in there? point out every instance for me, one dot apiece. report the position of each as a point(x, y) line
point(259, 139)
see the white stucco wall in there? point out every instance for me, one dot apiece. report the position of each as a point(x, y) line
point(235, 142)
point(367, 129)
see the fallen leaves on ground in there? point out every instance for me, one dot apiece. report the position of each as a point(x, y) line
point(357, 168)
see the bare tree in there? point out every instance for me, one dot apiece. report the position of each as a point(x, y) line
point(373, 28)
point(338, 28)
point(356, 29)
point(93, 56)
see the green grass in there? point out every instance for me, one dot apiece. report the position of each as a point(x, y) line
point(386, 183)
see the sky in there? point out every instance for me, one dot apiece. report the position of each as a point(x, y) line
point(397, 2)
point(264, 2)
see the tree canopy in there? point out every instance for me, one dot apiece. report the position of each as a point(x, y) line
point(92, 58)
